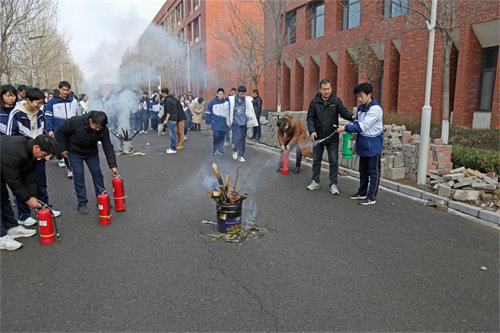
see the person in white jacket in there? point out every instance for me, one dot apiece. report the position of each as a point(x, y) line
point(241, 117)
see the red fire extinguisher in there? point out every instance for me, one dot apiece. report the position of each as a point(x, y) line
point(104, 210)
point(119, 194)
point(47, 225)
point(285, 156)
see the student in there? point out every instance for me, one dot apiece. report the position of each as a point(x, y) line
point(369, 127)
point(18, 170)
point(170, 118)
point(28, 119)
point(60, 108)
point(257, 106)
point(241, 116)
point(228, 139)
point(217, 114)
point(322, 121)
point(8, 100)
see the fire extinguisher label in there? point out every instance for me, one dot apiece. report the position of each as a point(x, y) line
point(42, 223)
point(101, 207)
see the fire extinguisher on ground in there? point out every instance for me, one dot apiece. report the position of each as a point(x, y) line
point(285, 162)
point(119, 194)
point(47, 224)
point(104, 209)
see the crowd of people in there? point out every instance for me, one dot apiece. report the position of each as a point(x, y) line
point(60, 125)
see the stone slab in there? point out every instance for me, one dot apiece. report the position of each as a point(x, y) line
point(434, 198)
point(414, 192)
point(395, 173)
point(489, 216)
point(466, 195)
point(444, 191)
point(392, 185)
point(464, 208)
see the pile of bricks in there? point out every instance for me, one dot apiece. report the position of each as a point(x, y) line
point(467, 185)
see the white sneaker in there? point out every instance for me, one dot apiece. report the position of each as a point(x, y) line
point(163, 133)
point(8, 243)
point(313, 186)
point(333, 189)
point(185, 138)
point(241, 159)
point(56, 213)
point(145, 132)
point(20, 231)
point(28, 222)
point(171, 151)
point(62, 164)
point(235, 155)
point(226, 144)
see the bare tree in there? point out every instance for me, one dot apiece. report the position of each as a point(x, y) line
point(366, 62)
point(448, 21)
point(275, 17)
point(244, 40)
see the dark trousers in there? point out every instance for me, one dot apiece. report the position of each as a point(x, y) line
point(94, 166)
point(239, 138)
point(23, 210)
point(219, 141)
point(369, 172)
point(257, 131)
point(196, 127)
point(333, 159)
point(155, 119)
point(68, 165)
point(8, 220)
point(228, 136)
point(144, 121)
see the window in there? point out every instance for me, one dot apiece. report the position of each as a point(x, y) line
point(178, 16)
point(489, 68)
point(291, 27)
point(393, 8)
point(196, 4)
point(196, 28)
point(317, 20)
point(351, 14)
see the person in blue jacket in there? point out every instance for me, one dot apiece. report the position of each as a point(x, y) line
point(369, 127)
point(8, 101)
point(216, 117)
point(60, 108)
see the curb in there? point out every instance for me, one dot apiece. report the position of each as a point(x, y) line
point(476, 213)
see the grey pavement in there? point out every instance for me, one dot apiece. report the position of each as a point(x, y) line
point(323, 263)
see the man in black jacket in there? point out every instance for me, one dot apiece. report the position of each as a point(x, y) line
point(78, 139)
point(18, 170)
point(322, 123)
point(170, 118)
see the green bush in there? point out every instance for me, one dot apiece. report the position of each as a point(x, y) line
point(465, 136)
point(478, 159)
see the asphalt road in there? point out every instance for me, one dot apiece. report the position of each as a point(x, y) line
point(320, 263)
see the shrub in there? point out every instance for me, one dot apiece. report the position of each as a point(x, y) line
point(465, 136)
point(478, 159)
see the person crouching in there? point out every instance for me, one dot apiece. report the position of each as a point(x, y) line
point(292, 133)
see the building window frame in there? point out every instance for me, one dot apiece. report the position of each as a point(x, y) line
point(197, 29)
point(351, 14)
point(196, 4)
point(291, 27)
point(487, 88)
point(317, 19)
point(395, 8)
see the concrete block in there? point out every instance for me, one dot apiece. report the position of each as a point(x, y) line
point(395, 173)
point(474, 172)
point(464, 208)
point(454, 176)
point(399, 162)
point(389, 162)
point(489, 180)
point(414, 192)
point(444, 191)
point(463, 183)
point(387, 183)
point(465, 195)
point(434, 198)
point(459, 170)
point(489, 216)
point(483, 186)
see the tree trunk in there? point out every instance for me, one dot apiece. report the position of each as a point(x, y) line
point(278, 85)
point(445, 123)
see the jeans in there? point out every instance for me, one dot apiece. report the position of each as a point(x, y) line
point(155, 119)
point(228, 136)
point(23, 210)
point(7, 219)
point(333, 159)
point(239, 138)
point(171, 131)
point(66, 161)
point(144, 121)
point(219, 141)
point(369, 168)
point(188, 125)
point(94, 166)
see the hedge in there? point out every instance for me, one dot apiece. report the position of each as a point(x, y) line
point(478, 159)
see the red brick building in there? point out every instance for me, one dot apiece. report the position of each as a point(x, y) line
point(196, 22)
point(324, 36)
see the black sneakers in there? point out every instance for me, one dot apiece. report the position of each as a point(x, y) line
point(82, 209)
point(356, 196)
point(367, 202)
